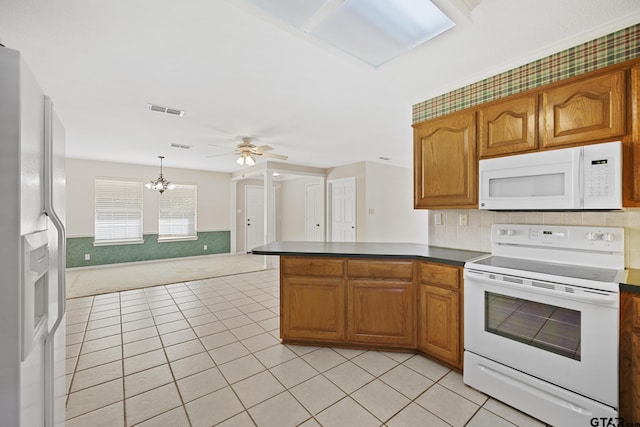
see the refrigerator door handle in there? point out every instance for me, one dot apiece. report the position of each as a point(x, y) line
point(50, 211)
point(50, 416)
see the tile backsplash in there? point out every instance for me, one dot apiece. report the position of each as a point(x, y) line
point(476, 235)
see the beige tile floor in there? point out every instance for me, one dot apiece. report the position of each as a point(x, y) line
point(207, 353)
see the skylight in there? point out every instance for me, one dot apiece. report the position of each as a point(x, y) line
point(373, 31)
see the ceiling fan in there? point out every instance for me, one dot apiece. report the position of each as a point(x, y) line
point(247, 152)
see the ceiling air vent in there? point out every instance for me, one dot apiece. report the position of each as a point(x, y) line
point(185, 147)
point(168, 110)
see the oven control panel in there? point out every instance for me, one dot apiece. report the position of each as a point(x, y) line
point(559, 236)
point(541, 234)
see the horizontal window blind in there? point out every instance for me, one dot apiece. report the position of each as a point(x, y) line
point(118, 210)
point(178, 212)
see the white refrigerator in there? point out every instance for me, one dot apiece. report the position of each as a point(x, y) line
point(32, 251)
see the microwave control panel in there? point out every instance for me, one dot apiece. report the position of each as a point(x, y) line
point(598, 177)
point(602, 175)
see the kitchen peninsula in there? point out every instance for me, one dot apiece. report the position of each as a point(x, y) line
point(394, 296)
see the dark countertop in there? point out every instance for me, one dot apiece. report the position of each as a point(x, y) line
point(369, 250)
point(632, 282)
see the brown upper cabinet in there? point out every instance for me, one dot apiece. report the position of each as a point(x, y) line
point(446, 162)
point(631, 154)
point(592, 109)
point(508, 127)
point(601, 106)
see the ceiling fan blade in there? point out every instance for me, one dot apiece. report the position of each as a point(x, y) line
point(264, 148)
point(275, 156)
point(219, 155)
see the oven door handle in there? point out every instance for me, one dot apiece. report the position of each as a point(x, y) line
point(594, 298)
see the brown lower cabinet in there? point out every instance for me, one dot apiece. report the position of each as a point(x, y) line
point(630, 357)
point(440, 315)
point(314, 310)
point(381, 312)
point(373, 303)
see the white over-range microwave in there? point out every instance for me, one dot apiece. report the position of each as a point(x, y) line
point(577, 178)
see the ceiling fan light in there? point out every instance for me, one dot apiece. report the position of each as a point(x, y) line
point(249, 160)
point(240, 161)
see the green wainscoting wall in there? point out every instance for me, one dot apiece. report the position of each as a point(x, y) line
point(217, 242)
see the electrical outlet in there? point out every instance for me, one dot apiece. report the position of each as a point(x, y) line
point(205, 247)
point(87, 257)
point(437, 218)
point(463, 220)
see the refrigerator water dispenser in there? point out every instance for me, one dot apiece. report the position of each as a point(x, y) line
point(35, 289)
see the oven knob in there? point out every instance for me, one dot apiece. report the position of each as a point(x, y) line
point(511, 232)
point(608, 237)
point(501, 231)
point(592, 236)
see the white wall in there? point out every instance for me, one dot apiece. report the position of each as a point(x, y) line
point(213, 194)
point(389, 212)
point(388, 191)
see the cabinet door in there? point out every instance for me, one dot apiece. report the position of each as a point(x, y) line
point(445, 162)
point(629, 359)
point(509, 127)
point(381, 312)
point(312, 308)
point(631, 147)
point(585, 111)
point(439, 324)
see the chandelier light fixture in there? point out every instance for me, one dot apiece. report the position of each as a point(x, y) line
point(161, 183)
point(246, 158)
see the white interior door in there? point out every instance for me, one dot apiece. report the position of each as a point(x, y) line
point(314, 211)
point(343, 210)
point(254, 217)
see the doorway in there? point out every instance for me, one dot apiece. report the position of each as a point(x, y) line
point(254, 216)
point(342, 209)
point(314, 212)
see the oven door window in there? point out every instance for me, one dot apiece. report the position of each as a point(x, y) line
point(555, 329)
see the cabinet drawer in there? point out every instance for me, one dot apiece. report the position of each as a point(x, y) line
point(380, 269)
point(440, 274)
point(312, 266)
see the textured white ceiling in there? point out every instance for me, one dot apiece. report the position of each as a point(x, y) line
point(236, 71)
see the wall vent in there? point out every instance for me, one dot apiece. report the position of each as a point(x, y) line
point(168, 110)
point(185, 147)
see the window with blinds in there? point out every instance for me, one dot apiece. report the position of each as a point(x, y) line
point(118, 211)
point(178, 207)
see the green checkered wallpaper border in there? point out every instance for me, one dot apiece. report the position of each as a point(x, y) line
point(608, 50)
